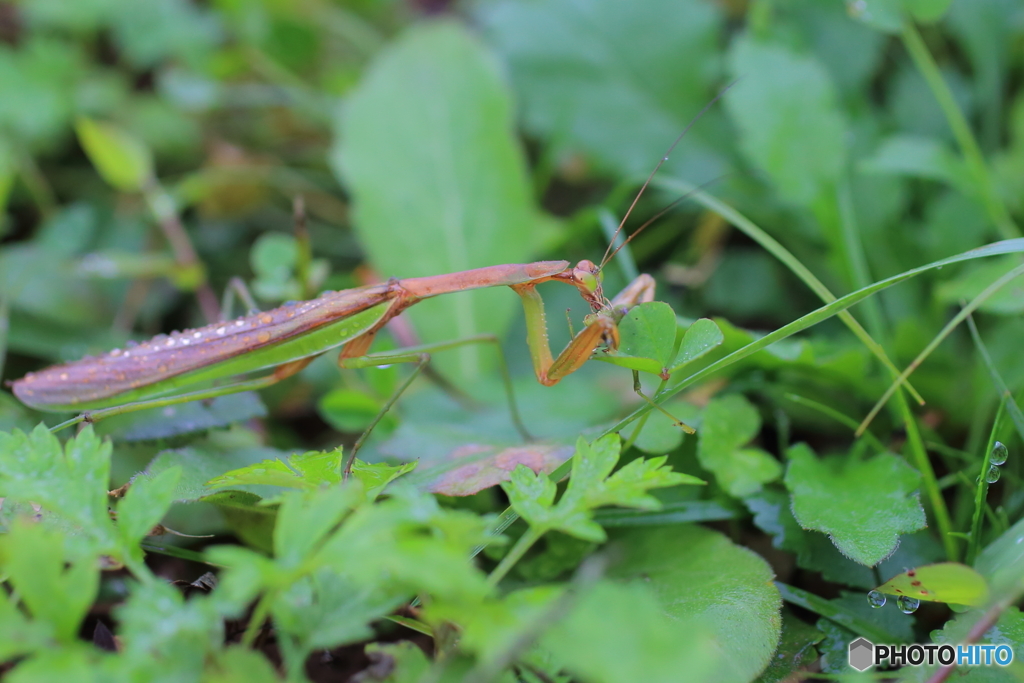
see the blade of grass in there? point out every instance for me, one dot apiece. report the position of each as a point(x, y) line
point(1005, 396)
point(981, 491)
point(773, 247)
point(836, 613)
point(994, 205)
point(839, 417)
point(939, 338)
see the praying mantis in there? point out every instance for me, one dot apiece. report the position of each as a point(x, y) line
point(160, 372)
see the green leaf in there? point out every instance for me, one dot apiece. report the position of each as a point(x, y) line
point(863, 505)
point(427, 149)
point(773, 515)
point(590, 486)
point(796, 649)
point(888, 15)
point(56, 588)
point(205, 461)
point(919, 157)
point(948, 582)
point(647, 335)
point(699, 575)
point(311, 470)
point(1002, 561)
point(729, 423)
point(700, 338)
point(1008, 630)
point(615, 633)
point(166, 637)
point(238, 664)
point(184, 418)
point(1009, 300)
point(148, 499)
point(601, 78)
point(305, 518)
point(790, 124)
point(19, 636)
point(71, 481)
point(122, 159)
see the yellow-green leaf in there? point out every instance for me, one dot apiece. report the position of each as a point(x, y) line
point(949, 582)
point(121, 158)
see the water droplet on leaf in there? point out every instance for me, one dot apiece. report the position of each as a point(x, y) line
point(993, 474)
point(907, 604)
point(999, 453)
point(876, 599)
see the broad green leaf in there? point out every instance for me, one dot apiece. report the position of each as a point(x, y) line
point(700, 575)
point(919, 157)
point(947, 582)
point(603, 78)
point(790, 123)
point(796, 649)
point(862, 504)
point(700, 338)
point(772, 514)
point(1002, 561)
point(122, 159)
point(728, 424)
point(20, 636)
point(889, 15)
point(252, 522)
point(590, 486)
point(184, 418)
point(1008, 630)
point(58, 590)
point(205, 461)
point(647, 336)
point(71, 481)
point(410, 664)
point(426, 147)
point(614, 633)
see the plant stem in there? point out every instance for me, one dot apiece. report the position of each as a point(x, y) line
point(981, 492)
point(524, 543)
point(961, 131)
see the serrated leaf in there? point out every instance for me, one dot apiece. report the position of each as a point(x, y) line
point(305, 518)
point(148, 499)
point(729, 423)
point(700, 338)
point(590, 487)
point(199, 464)
point(121, 158)
point(57, 590)
point(70, 481)
point(863, 505)
point(647, 335)
point(948, 582)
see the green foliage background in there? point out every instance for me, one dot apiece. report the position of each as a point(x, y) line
point(152, 151)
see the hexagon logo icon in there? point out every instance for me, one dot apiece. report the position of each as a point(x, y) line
point(862, 654)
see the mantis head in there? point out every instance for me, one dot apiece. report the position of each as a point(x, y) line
point(587, 277)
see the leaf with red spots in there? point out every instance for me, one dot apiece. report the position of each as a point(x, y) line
point(949, 582)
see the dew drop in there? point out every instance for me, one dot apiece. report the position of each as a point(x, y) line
point(221, 330)
point(907, 604)
point(876, 599)
point(993, 474)
point(999, 453)
point(131, 344)
point(170, 342)
point(197, 335)
point(115, 352)
point(186, 341)
point(239, 322)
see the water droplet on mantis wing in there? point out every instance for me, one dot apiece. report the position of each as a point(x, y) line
point(876, 599)
point(999, 453)
point(907, 604)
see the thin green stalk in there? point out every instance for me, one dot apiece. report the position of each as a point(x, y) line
point(973, 157)
point(524, 543)
point(773, 247)
point(981, 492)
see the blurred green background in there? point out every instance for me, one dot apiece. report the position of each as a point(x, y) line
point(432, 137)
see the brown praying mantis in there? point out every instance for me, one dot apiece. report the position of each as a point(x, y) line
point(161, 371)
